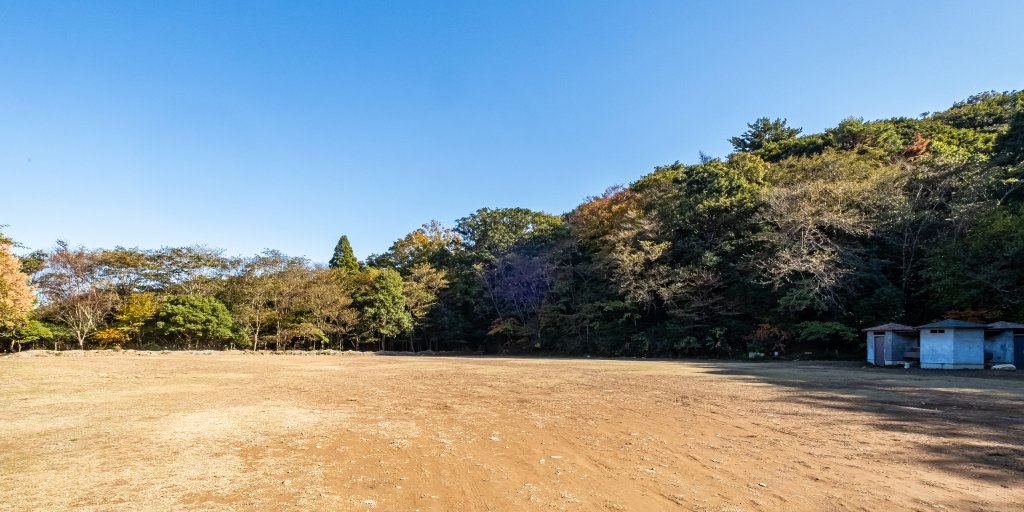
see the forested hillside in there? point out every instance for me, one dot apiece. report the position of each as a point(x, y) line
point(793, 241)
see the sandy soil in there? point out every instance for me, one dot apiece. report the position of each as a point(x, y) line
point(180, 431)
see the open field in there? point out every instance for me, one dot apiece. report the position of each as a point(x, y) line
point(233, 431)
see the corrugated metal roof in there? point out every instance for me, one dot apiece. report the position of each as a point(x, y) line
point(890, 327)
point(952, 324)
point(1005, 325)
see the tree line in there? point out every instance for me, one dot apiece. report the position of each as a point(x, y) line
point(791, 242)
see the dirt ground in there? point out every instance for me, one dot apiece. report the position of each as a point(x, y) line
point(234, 431)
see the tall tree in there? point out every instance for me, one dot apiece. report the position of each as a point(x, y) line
point(194, 320)
point(252, 292)
point(518, 286)
point(16, 297)
point(194, 270)
point(128, 270)
point(431, 244)
point(343, 257)
point(762, 132)
point(820, 215)
point(249, 300)
point(288, 287)
point(75, 293)
point(492, 233)
point(383, 314)
point(134, 312)
point(982, 270)
point(327, 303)
point(420, 288)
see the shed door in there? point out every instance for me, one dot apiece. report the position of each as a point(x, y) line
point(1018, 350)
point(880, 349)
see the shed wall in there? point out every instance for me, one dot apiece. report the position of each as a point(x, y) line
point(1000, 346)
point(895, 345)
point(953, 348)
point(936, 348)
point(969, 347)
point(871, 346)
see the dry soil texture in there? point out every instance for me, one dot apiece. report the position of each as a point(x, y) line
point(233, 431)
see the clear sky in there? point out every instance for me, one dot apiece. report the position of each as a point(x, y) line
point(252, 125)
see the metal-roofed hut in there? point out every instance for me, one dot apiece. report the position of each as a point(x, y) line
point(1004, 343)
point(952, 345)
point(887, 343)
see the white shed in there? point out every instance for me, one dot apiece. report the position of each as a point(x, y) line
point(953, 345)
point(887, 343)
point(1004, 343)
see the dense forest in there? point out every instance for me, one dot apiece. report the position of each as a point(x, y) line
point(792, 242)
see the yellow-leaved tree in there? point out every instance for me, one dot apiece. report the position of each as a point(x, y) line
point(16, 297)
point(133, 313)
point(112, 338)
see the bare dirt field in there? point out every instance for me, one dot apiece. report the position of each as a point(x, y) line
point(232, 431)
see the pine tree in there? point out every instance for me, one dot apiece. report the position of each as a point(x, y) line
point(343, 257)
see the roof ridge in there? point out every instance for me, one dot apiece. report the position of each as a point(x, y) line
point(953, 323)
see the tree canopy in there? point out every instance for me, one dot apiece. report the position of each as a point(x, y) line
point(762, 132)
point(791, 243)
point(193, 319)
point(343, 257)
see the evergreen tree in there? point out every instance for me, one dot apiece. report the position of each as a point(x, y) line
point(193, 319)
point(384, 313)
point(762, 132)
point(343, 257)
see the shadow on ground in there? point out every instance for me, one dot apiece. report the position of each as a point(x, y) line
point(967, 422)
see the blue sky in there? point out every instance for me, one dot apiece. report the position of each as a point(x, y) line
point(252, 125)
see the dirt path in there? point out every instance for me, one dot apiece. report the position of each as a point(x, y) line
point(361, 432)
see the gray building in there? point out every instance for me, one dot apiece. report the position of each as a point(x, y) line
point(888, 343)
point(1004, 343)
point(952, 345)
point(948, 344)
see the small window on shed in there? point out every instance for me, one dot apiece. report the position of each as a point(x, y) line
point(937, 331)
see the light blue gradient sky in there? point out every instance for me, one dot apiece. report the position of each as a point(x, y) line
point(251, 125)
